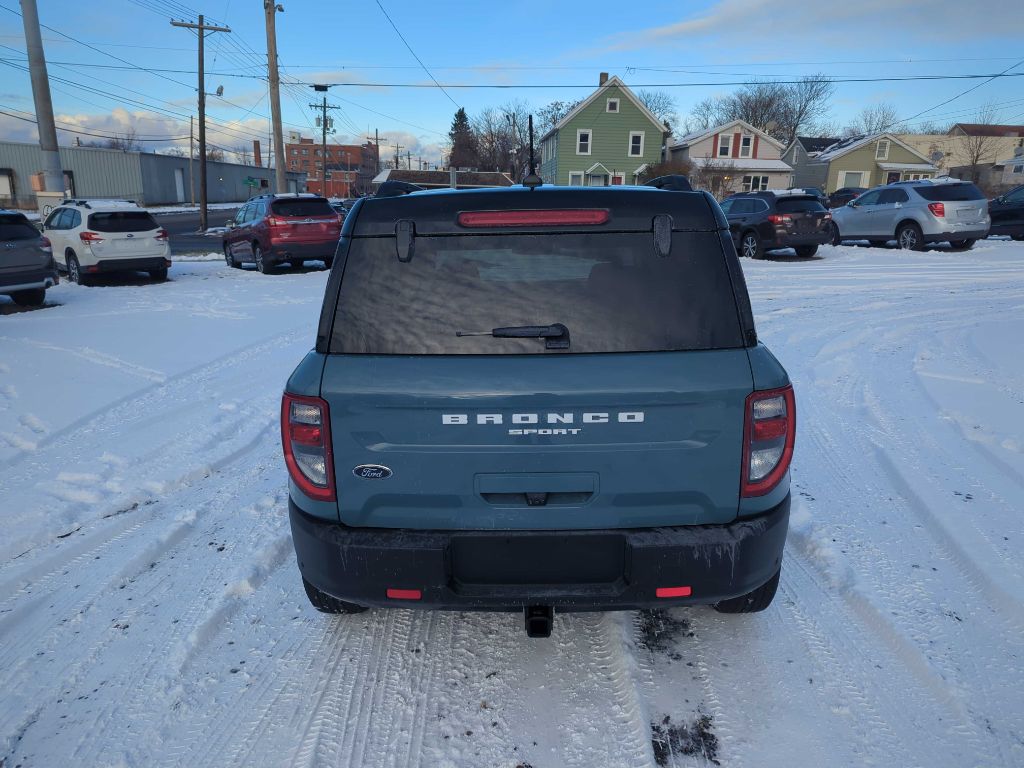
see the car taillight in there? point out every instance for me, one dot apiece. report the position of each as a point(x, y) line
point(937, 209)
point(826, 217)
point(306, 438)
point(777, 218)
point(161, 235)
point(46, 246)
point(769, 433)
point(89, 237)
point(275, 222)
point(534, 218)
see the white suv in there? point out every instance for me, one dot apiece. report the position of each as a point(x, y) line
point(98, 236)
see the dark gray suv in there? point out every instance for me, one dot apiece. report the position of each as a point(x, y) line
point(26, 260)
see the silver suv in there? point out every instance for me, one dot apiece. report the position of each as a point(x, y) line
point(915, 213)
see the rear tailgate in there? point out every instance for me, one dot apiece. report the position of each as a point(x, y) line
point(126, 235)
point(303, 220)
point(21, 245)
point(806, 214)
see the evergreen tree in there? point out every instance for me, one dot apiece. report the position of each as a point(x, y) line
point(464, 147)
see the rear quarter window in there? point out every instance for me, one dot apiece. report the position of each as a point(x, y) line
point(611, 290)
point(949, 192)
point(302, 207)
point(798, 205)
point(122, 221)
point(17, 228)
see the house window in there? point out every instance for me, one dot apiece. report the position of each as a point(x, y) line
point(746, 146)
point(612, 105)
point(851, 179)
point(882, 150)
point(755, 183)
point(305, 151)
point(796, 154)
point(636, 143)
point(295, 151)
point(576, 178)
point(724, 145)
point(583, 137)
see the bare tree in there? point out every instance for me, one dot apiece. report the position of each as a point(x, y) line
point(713, 175)
point(243, 154)
point(126, 143)
point(979, 147)
point(874, 119)
point(667, 168)
point(551, 114)
point(176, 151)
point(807, 101)
point(215, 154)
point(661, 104)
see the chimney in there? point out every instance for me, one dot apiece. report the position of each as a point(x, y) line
point(604, 78)
point(256, 154)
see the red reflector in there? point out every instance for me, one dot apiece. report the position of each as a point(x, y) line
point(673, 592)
point(404, 594)
point(768, 429)
point(549, 218)
point(307, 434)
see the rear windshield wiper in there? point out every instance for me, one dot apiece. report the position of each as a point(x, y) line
point(555, 336)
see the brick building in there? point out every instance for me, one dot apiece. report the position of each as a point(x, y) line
point(350, 167)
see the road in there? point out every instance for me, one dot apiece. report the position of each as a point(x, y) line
point(182, 228)
point(151, 612)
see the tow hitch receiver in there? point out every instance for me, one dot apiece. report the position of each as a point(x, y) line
point(539, 619)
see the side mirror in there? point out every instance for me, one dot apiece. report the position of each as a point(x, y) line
point(230, 223)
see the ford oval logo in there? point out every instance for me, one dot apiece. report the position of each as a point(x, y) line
point(371, 472)
point(129, 235)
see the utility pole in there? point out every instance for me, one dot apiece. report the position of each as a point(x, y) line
point(408, 159)
point(53, 176)
point(271, 9)
point(398, 155)
point(376, 141)
point(325, 122)
point(201, 30)
point(191, 160)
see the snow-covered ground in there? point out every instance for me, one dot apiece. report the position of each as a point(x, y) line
point(159, 209)
point(151, 612)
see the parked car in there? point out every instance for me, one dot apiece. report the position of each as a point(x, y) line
point(1007, 213)
point(915, 213)
point(26, 260)
point(272, 229)
point(530, 400)
point(843, 195)
point(816, 191)
point(767, 221)
point(90, 237)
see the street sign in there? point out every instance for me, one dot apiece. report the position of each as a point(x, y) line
point(251, 182)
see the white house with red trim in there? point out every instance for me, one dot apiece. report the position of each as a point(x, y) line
point(742, 158)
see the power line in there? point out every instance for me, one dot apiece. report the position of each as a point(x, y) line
point(1004, 73)
point(431, 76)
point(88, 133)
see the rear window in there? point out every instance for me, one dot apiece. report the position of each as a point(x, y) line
point(612, 292)
point(798, 204)
point(122, 221)
point(300, 207)
point(16, 227)
point(949, 192)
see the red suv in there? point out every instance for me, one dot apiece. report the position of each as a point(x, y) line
point(272, 229)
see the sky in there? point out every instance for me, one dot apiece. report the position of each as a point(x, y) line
point(538, 51)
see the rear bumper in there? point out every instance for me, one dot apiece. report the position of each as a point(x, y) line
point(585, 570)
point(804, 238)
point(128, 265)
point(283, 251)
point(1010, 230)
point(977, 233)
point(28, 279)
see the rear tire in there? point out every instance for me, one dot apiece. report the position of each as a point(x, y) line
point(837, 239)
point(229, 258)
point(750, 246)
point(909, 237)
point(261, 265)
point(75, 270)
point(1017, 237)
point(962, 245)
point(159, 275)
point(30, 297)
point(754, 601)
point(806, 250)
point(327, 603)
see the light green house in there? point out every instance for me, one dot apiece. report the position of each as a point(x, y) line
point(609, 138)
point(867, 161)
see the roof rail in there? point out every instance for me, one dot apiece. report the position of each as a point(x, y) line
point(397, 189)
point(675, 182)
point(88, 203)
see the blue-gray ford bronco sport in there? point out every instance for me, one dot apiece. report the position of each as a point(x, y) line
point(537, 400)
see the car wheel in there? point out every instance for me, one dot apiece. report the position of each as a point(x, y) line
point(962, 245)
point(229, 259)
point(328, 603)
point(754, 601)
point(75, 270)
point(31, 297)
point(837, 239)
point(159, 275)
point(806, 250)
point(1017, 237)
point(257, 254)
point(750, 246)
point(909, 237)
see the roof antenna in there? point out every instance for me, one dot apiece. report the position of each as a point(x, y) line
point(532, 181)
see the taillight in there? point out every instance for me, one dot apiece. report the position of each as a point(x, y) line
point(777, 218)
point(89, 237)
point(826, 217)
point(275, 222)
point(937, 209)
point(161, 235)
point(769, 432)
point(46, 246)
point(306, 438)
point(534, 218)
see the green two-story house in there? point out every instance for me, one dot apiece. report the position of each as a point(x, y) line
point(609, 138)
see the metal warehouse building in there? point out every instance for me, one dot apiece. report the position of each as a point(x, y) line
point(146, 178)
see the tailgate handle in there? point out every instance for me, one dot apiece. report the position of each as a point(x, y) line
point(405, 239)
point(662, 234)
